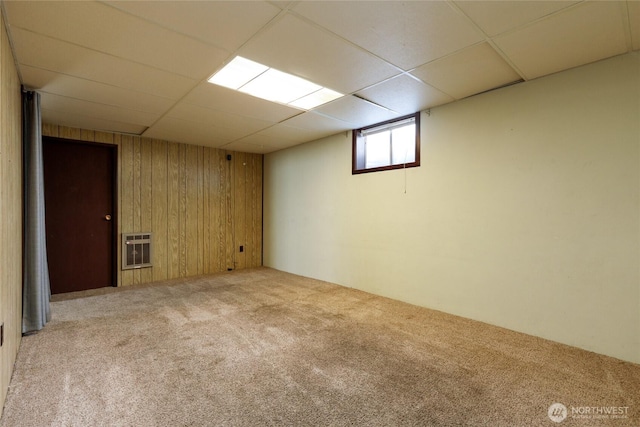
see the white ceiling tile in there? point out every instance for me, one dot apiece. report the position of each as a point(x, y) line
point(283, 4)
point(63, 118)
point(262, 140)
point(296, 47)
point(219, 98)
point(73, 106)
point(470, 71)
point(171, 129)
point(103, 28)
point(227, 24)
point(406, 34)
point(268, 142)
point(74, 87)
point(405, 95)
point(242, 125)
point(54, 55)
point(634, 20)
point(579, 35)
point(496, 17)
point(284, 133)
point(315, 122)
point(357, 111)
point(246, 147)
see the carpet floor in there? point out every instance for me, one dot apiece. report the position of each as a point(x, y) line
point(260, 347)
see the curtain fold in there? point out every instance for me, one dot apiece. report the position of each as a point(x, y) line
point(36, 291)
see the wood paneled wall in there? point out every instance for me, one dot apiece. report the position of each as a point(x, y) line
point(10, 212)
point(199, 206)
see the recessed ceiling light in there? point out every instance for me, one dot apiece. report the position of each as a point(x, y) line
point(277, 86)
point(258, 80)
point(237, 73)
point(316, 98)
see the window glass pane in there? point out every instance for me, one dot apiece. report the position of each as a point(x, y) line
point(146, 254)
point(377, 148)
point(403, 144)
point(137, 254)
point(131, 253)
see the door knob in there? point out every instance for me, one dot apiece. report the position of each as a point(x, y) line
point(107, 217)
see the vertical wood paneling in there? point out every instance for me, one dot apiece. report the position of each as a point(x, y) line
point(200, 206)
point(159, 223)
point(173, 210)
point(239, 165)
point(87, 135)
point(50, 130)
point(126, 196)
point(200, 210)
point(206, 209)
point(70, 133)
point(216, 209)
point(104, 137)
point(255, 207)
point(182, 205)
point(249, 205)
point(191, 223)
point(10, 212)
point(259, 212)
point(229, 240)
point(146, 194)
point(137, 196)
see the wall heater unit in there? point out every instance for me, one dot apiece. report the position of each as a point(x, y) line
point(136, 250)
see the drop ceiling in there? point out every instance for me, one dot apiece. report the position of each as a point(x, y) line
point(141, 67)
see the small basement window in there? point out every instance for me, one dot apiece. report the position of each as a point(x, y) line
point(394, 144)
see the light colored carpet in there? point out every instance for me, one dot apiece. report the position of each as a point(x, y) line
point(262, 347)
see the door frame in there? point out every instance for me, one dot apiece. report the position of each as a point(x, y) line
point(114, 150)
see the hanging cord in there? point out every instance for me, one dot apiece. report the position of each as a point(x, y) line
point(404, 162)
point(405, 176)
point(404, 166)
point(406, 153)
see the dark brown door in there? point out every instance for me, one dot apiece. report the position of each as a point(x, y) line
point(79, 182)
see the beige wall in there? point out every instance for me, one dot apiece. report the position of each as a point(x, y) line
point(199, 206)
point(524, 214)
point(10, 212)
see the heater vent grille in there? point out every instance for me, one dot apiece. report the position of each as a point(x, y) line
point(137, 250)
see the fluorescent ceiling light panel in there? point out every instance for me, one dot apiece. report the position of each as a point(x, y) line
point(237, 73)
point(258, 80)
point(317, 98)
point(277, 86)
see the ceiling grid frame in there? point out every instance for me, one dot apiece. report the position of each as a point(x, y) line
point(78, 96)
